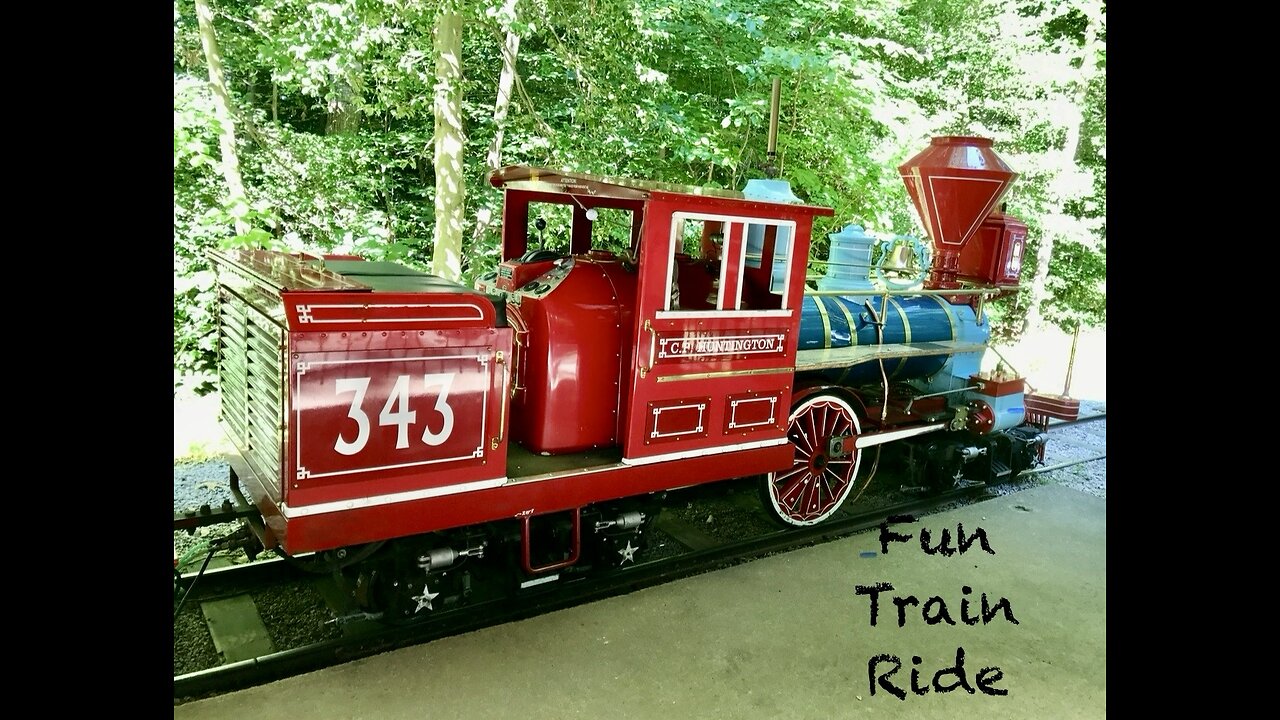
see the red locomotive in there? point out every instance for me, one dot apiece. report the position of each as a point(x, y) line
point(664, 337)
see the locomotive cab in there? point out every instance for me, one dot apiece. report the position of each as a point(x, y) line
point(653, 322)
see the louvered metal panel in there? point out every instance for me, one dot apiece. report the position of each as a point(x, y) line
point(252, 349)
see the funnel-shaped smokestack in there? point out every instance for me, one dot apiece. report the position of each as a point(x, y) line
point(954, 183)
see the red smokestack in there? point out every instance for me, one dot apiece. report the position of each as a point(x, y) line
point(954, 183)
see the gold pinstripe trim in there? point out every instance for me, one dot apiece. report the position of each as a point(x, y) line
point(826, 321)
point(906, 326)
point(724, 373)
point(906, 334)
point(951, 315)
point(853, 332)
point(853, 336)
point(952, 320)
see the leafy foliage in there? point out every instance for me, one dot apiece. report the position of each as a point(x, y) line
point(200, 222)
point(333, 102)
point(1080, 298)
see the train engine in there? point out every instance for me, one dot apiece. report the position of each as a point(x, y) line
point(433, 440)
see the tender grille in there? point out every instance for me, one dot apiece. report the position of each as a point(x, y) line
point(251, 372)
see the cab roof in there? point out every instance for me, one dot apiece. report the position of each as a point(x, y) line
point(565, 182)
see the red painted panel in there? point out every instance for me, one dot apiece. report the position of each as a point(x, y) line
point(1009, 267)
point(713, 353)
point(994, 255)
point(368, 422)
point(997, 385)
point(1046, 406)
point(747, 413)
point(671, 420)
point(571, 359)
point(356, 414)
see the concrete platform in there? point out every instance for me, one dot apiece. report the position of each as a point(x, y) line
point(782, 637)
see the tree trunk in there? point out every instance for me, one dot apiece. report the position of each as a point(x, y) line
point(501, 105)
point(230, 165)
point(1039, 284)
point(344, 115)
point(450, 188)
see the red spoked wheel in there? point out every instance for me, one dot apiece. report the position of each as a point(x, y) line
point(818, 483)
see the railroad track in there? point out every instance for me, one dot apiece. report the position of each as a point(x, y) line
point(701, 551)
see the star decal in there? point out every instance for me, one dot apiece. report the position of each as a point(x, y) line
point(424, 600)
point(628, 553)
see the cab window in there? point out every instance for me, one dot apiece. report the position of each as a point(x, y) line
point(728, 264)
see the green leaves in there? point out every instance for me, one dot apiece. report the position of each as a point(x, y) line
point(1078, 282)
point(677, 92)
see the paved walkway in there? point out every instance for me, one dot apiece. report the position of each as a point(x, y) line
point(782, 637)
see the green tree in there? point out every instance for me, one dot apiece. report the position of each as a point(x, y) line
point(355, 133)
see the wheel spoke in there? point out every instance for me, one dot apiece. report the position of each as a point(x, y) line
point(840, 481)
point(796, 505)
point(807, 501)
point(779, 479)
point(805, 436)
point(794, 487)
point(842, 427)
point(830, 488)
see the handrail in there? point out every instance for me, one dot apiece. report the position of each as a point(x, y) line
point(944, 293)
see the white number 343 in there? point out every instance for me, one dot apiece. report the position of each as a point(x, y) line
point(395, 413)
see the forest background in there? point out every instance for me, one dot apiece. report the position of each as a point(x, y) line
point(370, 126)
